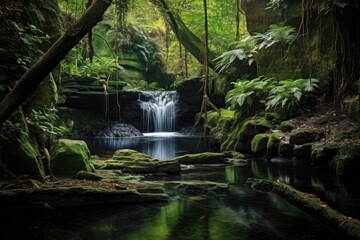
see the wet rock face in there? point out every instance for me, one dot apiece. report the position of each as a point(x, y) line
point(116, 129)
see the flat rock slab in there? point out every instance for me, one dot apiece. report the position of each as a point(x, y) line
point(75, 196)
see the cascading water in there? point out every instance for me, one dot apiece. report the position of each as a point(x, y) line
point(159, 110)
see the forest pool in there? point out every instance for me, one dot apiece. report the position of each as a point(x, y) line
point(242, 213)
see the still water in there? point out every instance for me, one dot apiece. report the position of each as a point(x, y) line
point(159, 145)
point(240, 214)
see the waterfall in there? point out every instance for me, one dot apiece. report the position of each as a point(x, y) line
point(159, 110)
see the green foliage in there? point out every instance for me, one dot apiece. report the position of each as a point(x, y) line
point(286, 96)
point(246, 96)
point(243, 50)
point(279, 6)
point(45, 118)
point(251, 96)
point(143, 85)
point(276, 34)
point(246, 49)
point(327, 6)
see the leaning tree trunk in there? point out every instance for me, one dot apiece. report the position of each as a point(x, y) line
point(58, 51)
point(187, 38)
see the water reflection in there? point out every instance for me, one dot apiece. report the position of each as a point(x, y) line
point(160, 146)
point(318, 181)
point(244, 214)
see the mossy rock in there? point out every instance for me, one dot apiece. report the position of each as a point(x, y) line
point(70, 157)
point(346, 163)
point(131, 155)
point(273, 117)
point(220, 124)
point(259, 142)
point(195, 187)
point(83, 175)
point(303, 152)
point(242, 134)
point(201, 158)
point(274, 143)
point(286, 149)
point(234, 155)
point(352, 108)
point(286, 126)
point(322, 153)
point(302, 136)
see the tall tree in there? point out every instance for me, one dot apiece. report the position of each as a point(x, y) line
point(57, 52)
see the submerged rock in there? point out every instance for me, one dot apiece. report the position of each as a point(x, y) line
point(201, 158)
point(195, 187)
point(116, 129)
point(70, 157)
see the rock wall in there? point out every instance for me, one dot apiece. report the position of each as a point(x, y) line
point(309, 56)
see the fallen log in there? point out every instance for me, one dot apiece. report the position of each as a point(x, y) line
point(312, 205)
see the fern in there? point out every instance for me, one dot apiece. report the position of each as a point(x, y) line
point(286, 96)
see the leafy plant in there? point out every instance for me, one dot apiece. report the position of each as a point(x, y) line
point(248, 47)
point(247, 95)
point(276, 34)
point(286, 96)
point(45, 118)
point(279, 6)
point(242, 50)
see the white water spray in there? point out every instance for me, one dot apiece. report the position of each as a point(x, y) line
point(159, 110)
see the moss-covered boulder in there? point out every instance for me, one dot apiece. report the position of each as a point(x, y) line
point(273, 143)
point(302, 136)
point(131, 155)
point(132, 161)
point(346, 163)
point(70, 157)
point(286, 126)
point(220, 124)
point(286, 149)
point(303, 152)
point(201, 158)
point(259, 142)
point(322, 153)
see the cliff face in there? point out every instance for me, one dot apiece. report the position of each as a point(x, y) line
point(309, 56)
point(23, 39)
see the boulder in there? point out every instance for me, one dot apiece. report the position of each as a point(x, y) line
point(286, 126)
point(116, 129)
point(131, 161)
point(303, 152)
point(286, 149)
point(346, 163)
point(259, 142)
point(201, 158)
point(274, 143)
point(322, 153)
point(70, 157)
point(302, 136)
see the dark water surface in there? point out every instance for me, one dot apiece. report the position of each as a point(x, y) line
point(241, 214)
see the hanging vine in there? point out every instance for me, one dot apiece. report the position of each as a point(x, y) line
point(206, 102)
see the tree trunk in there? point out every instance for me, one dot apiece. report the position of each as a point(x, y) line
point(347, 226)
point(188, 39)
point(33, 77)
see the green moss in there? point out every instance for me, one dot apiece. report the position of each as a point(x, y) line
point(322, 153)
point(221, 124)
point(286, 126)
point(201, 158)
point(83, 175)
point(273, 117)
point(259, 142)
point(70, 157)
point(131, 155)
point(302, 136)
point(274, 143)
point(346, 163)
